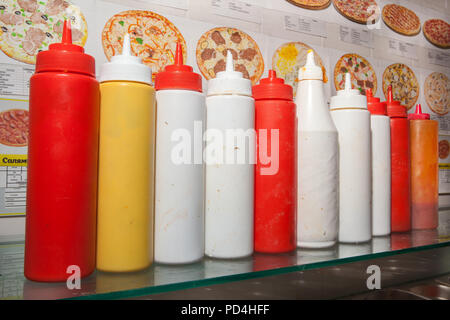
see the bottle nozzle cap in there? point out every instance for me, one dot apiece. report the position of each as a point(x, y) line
point(369, 94)
point(348, 98)
point(67, 33)
point(310, 71)
point(178, 75)
point(126, 66)
point(272, 88)
point(390, 97)
point(65, 56)
point(418, 115)
point(394, 108)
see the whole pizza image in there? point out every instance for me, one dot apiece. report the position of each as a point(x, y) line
point(30, 26)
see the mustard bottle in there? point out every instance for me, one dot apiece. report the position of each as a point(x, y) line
point(126, 164)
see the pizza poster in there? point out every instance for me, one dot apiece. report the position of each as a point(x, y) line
point(444, 164)
point(13, 156)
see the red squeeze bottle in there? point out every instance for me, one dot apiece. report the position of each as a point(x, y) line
point(62, 163)
point(276, 167)
point(400, 166)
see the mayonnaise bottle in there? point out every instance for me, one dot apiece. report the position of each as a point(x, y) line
point(230, 159)
point(317, 223)
point(381, 165)
point(352, 120)
point(126, 161)
point(179, 215)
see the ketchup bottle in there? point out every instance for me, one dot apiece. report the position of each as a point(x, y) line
point(62, 163)
point(275, 170)
point(400, 166)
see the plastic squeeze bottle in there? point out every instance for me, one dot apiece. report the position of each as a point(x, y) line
point(352, 120)
point(424, 170)
point(275, 171)
point(179, 215)
point(62, 163)
point(230, 157)
point(381, 165)
point(400, 166)
point(317, 224)
point(127, 131)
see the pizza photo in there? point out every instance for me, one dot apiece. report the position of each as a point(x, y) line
point(311, 4)
point(405, 87)
point(30, 26)
point(359, 11)
point(401, 19)
point(437, 93)
point(14, 127)
point(289, 58)
point(437, 31)
point(211, 53)
point(444, 149)
point(153, 38)
point(362, 74)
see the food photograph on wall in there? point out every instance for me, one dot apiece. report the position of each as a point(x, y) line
point(220, 150)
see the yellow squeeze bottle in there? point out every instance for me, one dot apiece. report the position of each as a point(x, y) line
point(126, 164)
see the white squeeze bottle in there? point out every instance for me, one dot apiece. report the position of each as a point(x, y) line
point(352, 120)
point(381, 166)
point(317, 223)
point(179, 214)
point(230, 158)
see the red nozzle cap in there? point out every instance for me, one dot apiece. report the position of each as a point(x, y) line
point(272, 88)
point(418, 115)
point(65, 56)
point(178, 75)
point(394, 108)
point(374, 105)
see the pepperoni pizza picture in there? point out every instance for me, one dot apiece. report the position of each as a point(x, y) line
point(437, 31)
point(401, 19)
point(311, 4)
point(14, 127)
point(212, 50)
point(289, 58)
point(153, 38)
point(437, 93)
point(359, 11)
point(362, 73)
point(30, 26)
point(405, 87)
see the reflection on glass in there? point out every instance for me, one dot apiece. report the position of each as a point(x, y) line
point(267, 261)
point(169, 274)
point(346, 250)
point(219, 268)
point(307, 256)
point(381, 244)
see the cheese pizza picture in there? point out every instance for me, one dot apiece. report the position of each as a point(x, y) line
point(30, 26)
point(437, 31)
point(437, 93)
point(14, 127)
point(363, 75)
point(359, 11)
point(153, 38)
point(405, 87)
point(311, 4)
point(401, 19)
point(289, 58)
point(212, 50)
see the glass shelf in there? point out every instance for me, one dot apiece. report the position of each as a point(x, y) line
point(161, 278)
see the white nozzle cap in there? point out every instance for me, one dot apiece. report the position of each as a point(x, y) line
point(126, 67)
point(348, 98)
point(310, 71)
point(229, 81)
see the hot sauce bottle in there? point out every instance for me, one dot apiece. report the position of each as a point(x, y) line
point(400, 166)
point(424, 170)
point(62, 167)
point(275, 177)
